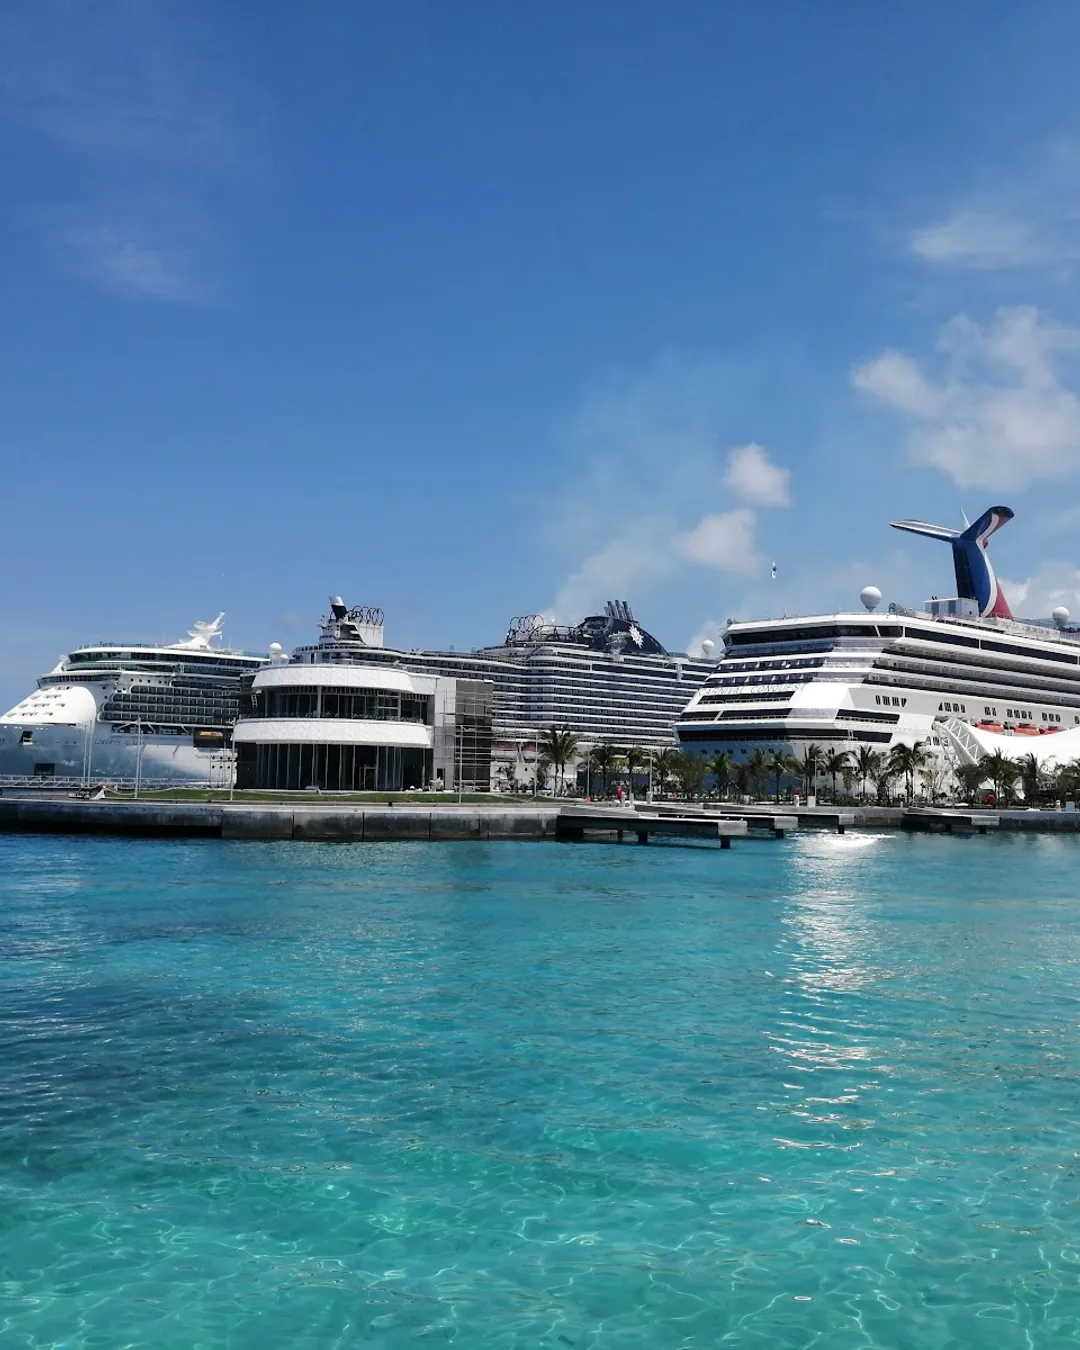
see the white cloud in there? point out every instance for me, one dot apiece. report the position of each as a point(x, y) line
point(1051, 584)
point(754, 477)
point(650, 473)
point(985, 241)
point(725, 541)
point(637, 557)
point(708, 632)
point(1026, 219)
point(146, 137)
point(999, 415)
point(649, 490)
point(121, 262)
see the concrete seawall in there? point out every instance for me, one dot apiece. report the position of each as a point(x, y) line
point(372, 821)
point(241, 821)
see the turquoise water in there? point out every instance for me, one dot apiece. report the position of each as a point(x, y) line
point(818, 1093)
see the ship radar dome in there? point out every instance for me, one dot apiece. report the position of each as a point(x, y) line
point(275, 649)
point(707, 647)
point(1060, 616)
point(871, 597)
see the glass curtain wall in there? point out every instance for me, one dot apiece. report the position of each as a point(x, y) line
point(332, 768)
point(473, 734)
point(367, 705)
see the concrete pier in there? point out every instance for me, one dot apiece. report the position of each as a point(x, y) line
point(575, 823)
point(364, 821)
point(305, 819)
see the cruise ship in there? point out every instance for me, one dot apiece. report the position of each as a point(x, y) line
point(606, 678)
point(131, 712)
point(961, 672)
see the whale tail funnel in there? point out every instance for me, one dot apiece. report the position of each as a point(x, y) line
point(975, 576)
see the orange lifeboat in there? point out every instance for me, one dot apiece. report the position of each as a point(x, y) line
point(1026, 729)
point(990, 726)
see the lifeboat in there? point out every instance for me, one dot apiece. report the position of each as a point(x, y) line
point(1025, 729)
point(990, 726)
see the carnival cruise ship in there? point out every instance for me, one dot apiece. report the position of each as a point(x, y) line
point(606, 678)
point(130, 712)
point(963, 669)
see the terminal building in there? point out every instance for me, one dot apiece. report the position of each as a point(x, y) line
point(357, 728)
point(607, 679)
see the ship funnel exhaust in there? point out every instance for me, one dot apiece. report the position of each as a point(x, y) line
point(975, 576)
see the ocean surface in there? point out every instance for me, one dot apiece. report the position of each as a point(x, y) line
point(823, 1092)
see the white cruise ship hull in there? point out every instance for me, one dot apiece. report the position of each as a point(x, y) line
point(126, 712)
point(63, 753)
point(845, 680)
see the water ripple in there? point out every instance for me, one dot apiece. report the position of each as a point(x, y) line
point(509, 1096)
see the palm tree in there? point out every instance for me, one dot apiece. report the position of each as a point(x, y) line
point(971, 777)
point(881, 775)
point(720, 768)
point(757, 766)
point(867, 761)
point(664, 765)
point(1067, 780)
point(635, 760)
point(809, 764)
point(1031, 778)
point(558, 745)
point(690, 771)
point(908, 760)
point(602, 761)
point(779, 764)
point(834, 766)
point(996, 767)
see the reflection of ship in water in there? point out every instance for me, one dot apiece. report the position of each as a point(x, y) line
point(606, 678)
point(122, 710)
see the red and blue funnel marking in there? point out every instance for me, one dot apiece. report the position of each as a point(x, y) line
point(975, 576)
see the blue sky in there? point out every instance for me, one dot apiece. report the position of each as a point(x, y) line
point(479, 309)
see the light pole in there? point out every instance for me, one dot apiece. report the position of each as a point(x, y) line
point(459, 725)
point(138, 755)
point(88, 758)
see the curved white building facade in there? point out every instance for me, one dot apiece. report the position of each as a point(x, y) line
point(351, 729)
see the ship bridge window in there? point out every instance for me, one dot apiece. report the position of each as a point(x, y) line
point(1026, 652)
point(931, 635)
point(818, 633)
